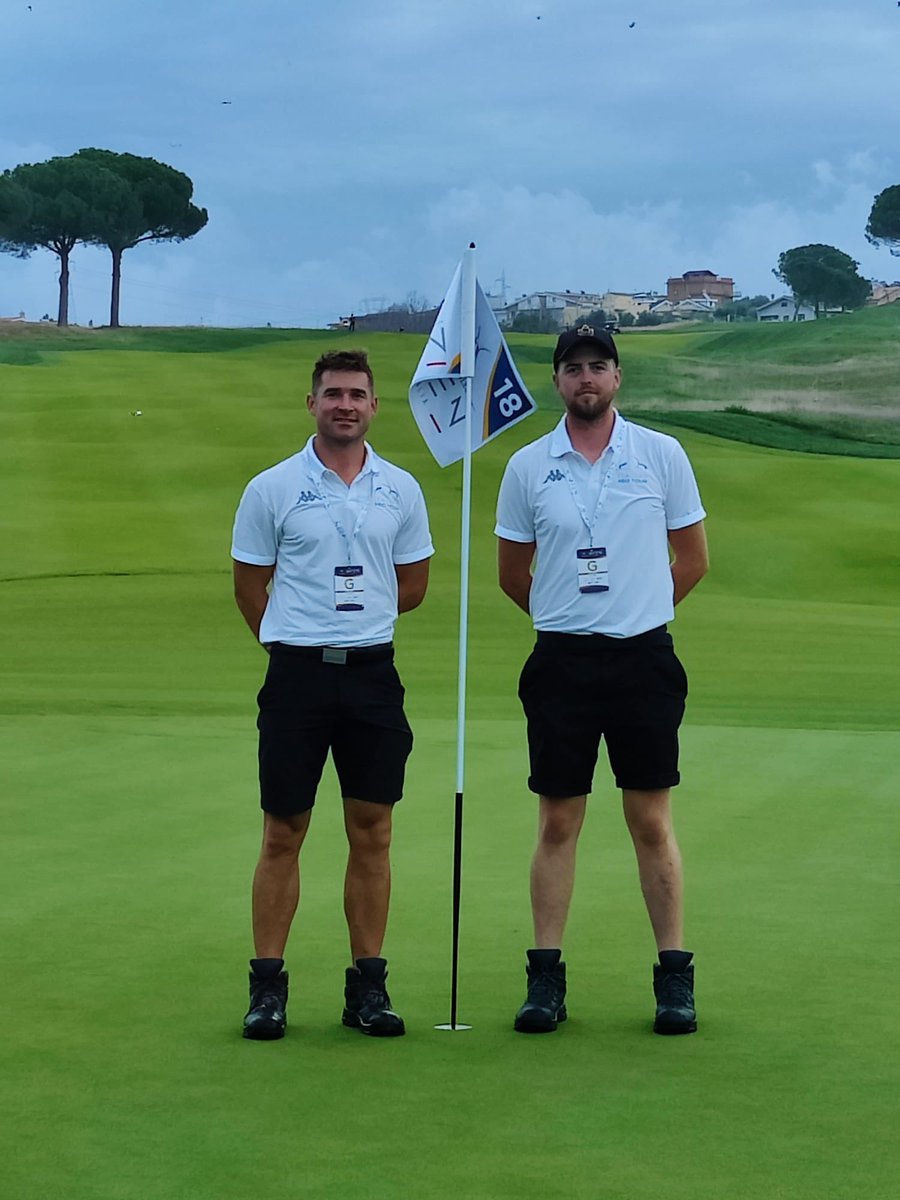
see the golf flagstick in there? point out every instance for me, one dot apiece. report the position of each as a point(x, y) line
point(465, 391)
point(467, 372)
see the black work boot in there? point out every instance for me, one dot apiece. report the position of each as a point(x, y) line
point(266, 1019)
point(367, 1006)
point(673, 986)
point(544, 1007)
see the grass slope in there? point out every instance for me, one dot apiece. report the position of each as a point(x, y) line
point(130, 827)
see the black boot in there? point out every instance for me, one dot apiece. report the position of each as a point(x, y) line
point(673, 987)
point(545, 1006)
point(367, 1006)
point(266, 1019)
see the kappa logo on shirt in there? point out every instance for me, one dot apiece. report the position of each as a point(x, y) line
point(554, 476)
point(307, 497)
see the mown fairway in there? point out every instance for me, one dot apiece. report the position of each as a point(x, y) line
point(131, 826)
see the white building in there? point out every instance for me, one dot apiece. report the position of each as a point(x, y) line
point(629, 302)
point(785, 308)
point(562, 309)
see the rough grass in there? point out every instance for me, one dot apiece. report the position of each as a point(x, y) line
point(784, 431)
point(828, 387)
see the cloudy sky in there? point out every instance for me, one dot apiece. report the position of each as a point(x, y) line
point(348, 150)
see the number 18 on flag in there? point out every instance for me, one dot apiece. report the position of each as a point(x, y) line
point(437, 394)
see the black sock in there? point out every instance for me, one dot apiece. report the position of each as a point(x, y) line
point(545, 960)
point(266, 968)
point(674, 960)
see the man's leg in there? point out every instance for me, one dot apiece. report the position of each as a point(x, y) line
point(552, 881)
point(553, 867)
point(367, 884)
point(367, 894)
point(276, 891)
point(649, 819)
point(276, 882)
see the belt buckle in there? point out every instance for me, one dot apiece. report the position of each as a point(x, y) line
point(334, 654)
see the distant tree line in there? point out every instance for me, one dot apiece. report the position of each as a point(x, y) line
point(95, 198)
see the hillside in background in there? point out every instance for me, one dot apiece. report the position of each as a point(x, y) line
point(827, 387)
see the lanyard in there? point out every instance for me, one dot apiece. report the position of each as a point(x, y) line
point(611, 454)
point(348, 540)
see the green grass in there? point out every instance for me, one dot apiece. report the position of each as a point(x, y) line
point(127, 688)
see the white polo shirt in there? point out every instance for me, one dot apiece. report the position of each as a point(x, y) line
point(610, 517)
point(302, 517)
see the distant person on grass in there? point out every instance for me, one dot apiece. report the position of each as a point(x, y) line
point(340, 538)
point(599, 503)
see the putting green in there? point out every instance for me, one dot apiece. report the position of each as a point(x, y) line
point(131, 829)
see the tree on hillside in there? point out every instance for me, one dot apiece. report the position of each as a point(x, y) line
point(415, 302)
point(883, 227)
point(158, 209)
point(535, 321)
point(55, 205)
point(597, 317)
point(823, 277)
point(740, 310)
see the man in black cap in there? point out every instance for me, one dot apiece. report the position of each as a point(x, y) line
point(612, 513)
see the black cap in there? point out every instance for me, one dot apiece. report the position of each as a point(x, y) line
point(584, 333)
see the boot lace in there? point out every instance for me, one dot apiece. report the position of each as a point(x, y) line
point(676, 991)
point(544, 990)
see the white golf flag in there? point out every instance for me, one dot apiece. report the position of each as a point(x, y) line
point(437, 394)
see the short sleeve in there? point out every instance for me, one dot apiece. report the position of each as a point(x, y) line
point(515, 518)
point(683, 504)
point(253, 538)
point(413, 540)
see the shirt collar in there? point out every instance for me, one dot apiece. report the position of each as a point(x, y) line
point(317, 468)
point(561, 443)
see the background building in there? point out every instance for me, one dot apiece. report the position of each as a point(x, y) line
point(700, 285)
point(785, 308)
point(558, 309)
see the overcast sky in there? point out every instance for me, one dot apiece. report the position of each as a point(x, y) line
point(348, 150)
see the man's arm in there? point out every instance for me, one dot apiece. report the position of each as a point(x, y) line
point(250, 583)
point(690, 557)
point(514, 561)
point(412, 583)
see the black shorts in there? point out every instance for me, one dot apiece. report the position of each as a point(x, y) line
point(576, 689)
point(308, 706)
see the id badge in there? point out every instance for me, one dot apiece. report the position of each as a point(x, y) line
point(348, 589)
point(593, 572)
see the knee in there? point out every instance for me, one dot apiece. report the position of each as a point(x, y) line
point(371, 837)
point(651, 829)
point(559, 826)
point(282, 839)
point(649, 818)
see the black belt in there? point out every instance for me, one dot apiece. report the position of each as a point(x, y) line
point(341, 656)
point(595, 641)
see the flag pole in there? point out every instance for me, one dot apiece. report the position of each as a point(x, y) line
point(467, 372)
